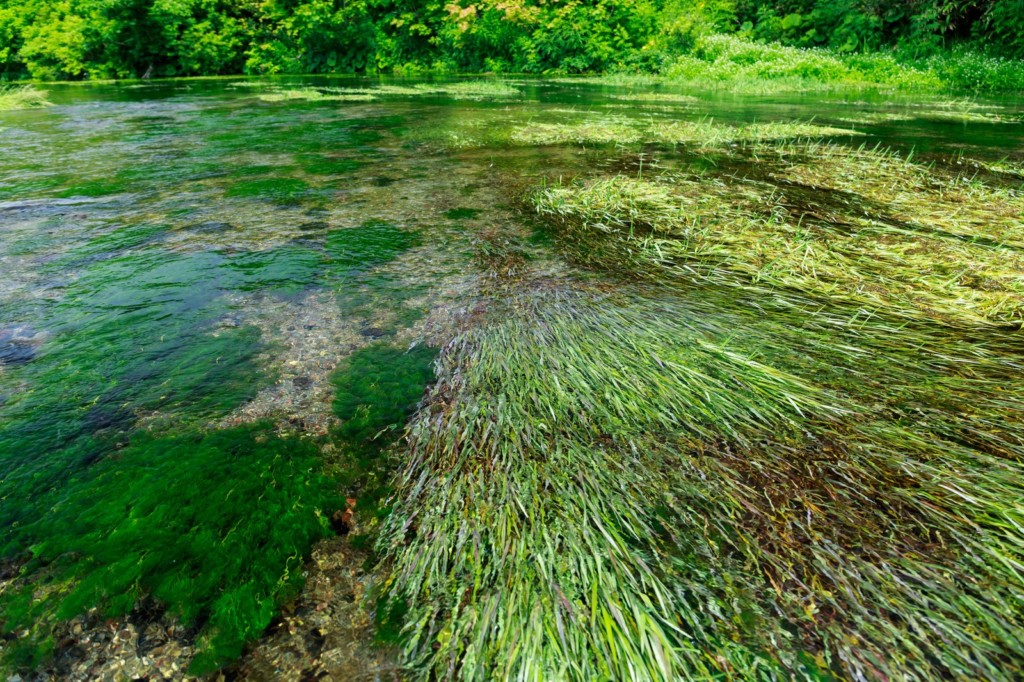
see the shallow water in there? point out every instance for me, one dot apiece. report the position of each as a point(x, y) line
point(204, 296)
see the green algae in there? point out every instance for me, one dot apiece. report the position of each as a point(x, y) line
point(357, 249)
point(144, 326)
point(143, 340)
point(275, 189)
point(28, 185)
point(95, 188)
point(377, 390)
point(284, 270)
point(327, 165)
point(213, 526)
point(111, 244)
point(462, 213)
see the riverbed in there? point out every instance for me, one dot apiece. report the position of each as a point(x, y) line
point(224, 301)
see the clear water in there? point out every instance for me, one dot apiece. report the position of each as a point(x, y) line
point(203, 296)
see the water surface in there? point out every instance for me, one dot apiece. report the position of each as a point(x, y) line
point(212, 303)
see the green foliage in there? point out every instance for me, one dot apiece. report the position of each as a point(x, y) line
point(132, 38)
point(918, 27)
point(1003, 24)
point(739, 63)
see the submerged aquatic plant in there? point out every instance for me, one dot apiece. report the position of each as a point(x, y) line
point(865, 226)
point(22, 97)
point(705, 133)
point(472, 89)
point(699, 484)
point(794, 451)
point(315, 95)
point(175, 518)
point(117, 492)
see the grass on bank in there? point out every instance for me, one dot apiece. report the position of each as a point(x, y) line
point(14, 97)
point(738, 64)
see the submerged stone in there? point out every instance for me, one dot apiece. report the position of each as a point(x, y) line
point(16, 352)
point(18, 344)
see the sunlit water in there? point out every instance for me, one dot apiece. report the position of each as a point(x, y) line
point(187, 269)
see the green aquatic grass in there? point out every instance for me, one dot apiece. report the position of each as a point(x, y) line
point(354, 250)
point(653, 486)
point(854, 225)
point(461, 213)
point(658, 97)
point(284, 270)
point(794, 452)
point(314, 95)
point(143, 333)
point(612, 130)
point(325, 164)
point(14, 97)
point(95, 188)
point(579, 128)
point(111, 244)
point(466, 89)
point(469, 89)
point(276, 189)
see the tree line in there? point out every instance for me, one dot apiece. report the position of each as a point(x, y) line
point(75, 39)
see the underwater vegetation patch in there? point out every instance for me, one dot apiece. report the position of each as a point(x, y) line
point(471, 89)
point(654, 486)
point(276, 189)
point(706, 132)
point(95, 188)
point(461, 213)
point(115, 242)
point(282, 270)
point(660, 97)
point(214, 524)
point(211, 526)
point(314, 95)
point(866, 226)
point(142, 337)
point(324, 164)
point(14, 97)
point(467, 89)
point(376, 391)
point(356, 249)
point(380, 387)
point(579, 128)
